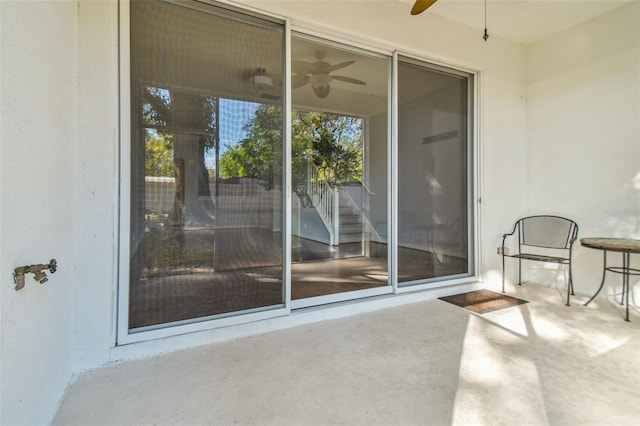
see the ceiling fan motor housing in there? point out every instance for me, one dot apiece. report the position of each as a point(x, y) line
point(261, 82)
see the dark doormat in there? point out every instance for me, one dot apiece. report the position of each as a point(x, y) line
point(483, 301)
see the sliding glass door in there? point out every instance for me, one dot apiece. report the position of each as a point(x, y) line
point(225, 217)
point(206, 164)
point(339, 168)
point(435, 183)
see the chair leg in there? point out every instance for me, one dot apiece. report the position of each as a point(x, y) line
point(519, 271)
point(503, 272)
point(570, 291)
point(571, 283)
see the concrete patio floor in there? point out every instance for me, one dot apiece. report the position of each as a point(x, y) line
point(540, 363)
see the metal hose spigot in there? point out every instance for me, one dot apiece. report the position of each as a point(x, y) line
point(37, 271)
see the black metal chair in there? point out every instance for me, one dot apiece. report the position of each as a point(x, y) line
point(543, 239)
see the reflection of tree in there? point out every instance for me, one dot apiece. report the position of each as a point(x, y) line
point(259, 154)
point(332, 142)
point(158, 159)
point(180, 128)
point(335, 143)
point(156, 115)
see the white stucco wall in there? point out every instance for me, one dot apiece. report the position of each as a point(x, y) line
point(39, 187)
point(584, 134)
point(97, 193)
point(60, 106)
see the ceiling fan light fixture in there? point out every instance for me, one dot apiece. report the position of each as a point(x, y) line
point(321, 80)
point(260, 81)
point(321, 91)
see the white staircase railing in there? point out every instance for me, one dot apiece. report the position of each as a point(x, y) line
point(326, 201)
point(361, 211)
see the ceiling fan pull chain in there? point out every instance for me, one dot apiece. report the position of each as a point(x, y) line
point(421, 5)
point(486, 34)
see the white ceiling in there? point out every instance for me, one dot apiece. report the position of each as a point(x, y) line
point(523, 21)
point(197, 51)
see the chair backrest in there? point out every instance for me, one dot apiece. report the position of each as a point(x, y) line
point(547, 231)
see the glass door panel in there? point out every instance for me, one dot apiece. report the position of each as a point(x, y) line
point(434, 173)
point(339, 171)
point(206, 164)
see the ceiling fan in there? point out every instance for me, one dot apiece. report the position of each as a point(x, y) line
point(318, 74)
point(421, 5)
point(263, 84)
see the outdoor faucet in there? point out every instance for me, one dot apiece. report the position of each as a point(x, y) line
point(36, 270)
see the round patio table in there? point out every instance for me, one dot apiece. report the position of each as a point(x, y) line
point(626, 246)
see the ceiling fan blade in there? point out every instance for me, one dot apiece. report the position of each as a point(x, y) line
point(347, 79)
point(299, 80)
point(302, 67)
point(340, 65)
point(421, 5)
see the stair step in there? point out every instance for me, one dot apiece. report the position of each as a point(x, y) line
point(354, 238)
point(355, 229)
point(348, 210)
point(350, 220)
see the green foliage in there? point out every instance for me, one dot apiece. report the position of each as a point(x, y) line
point(158, 157)
point(259, 155)
point(156, 109)
point(301, 154)
point(334, 144)
point(331, 142)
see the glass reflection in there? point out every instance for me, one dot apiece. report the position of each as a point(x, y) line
point(206, 165)
point(433, 180)
point(339, 170)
